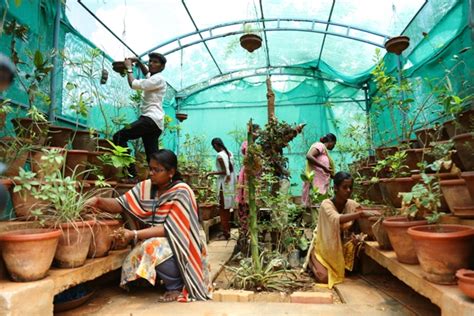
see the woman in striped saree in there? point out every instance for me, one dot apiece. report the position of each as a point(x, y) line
point(169, 242)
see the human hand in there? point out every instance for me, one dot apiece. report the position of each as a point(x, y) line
point(128, 63)
point(133, 59)
point(124, 235)
point(227, 179)
point(369, 213)
point(91, 204)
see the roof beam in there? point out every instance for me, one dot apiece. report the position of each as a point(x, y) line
point(327, 27)
point(200, 35)
point(264, 34)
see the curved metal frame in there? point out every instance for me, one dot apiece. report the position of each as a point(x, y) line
point(203, 32)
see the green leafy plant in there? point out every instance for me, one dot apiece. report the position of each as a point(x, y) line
point(394, 164)
point(118, 157)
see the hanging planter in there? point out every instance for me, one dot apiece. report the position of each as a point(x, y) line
point(250, 42)
point(397, 44)
point(181, 116)
point(104, 76)
point(119, 66)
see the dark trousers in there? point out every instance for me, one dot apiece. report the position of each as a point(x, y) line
point(145, 128)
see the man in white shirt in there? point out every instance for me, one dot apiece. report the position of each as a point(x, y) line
point(149, 125)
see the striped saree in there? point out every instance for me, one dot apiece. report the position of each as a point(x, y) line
point(176, 209)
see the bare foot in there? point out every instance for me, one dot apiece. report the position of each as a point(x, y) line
point(169, 296)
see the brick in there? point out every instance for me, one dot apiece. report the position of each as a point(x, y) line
point(311, 298)
point(232, 296)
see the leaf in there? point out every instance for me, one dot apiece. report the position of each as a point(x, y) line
point(38, 59)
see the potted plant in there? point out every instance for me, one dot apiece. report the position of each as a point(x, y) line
point(115, 162)
point(59, 136)
point(103, 237)
point(14, 153)
point(85, 140)
point(250, 41)
point(466, 281)
point(397, 44)
point(34, 127)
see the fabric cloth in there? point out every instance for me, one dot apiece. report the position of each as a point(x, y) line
point(144, 128)
point(228, 188)
point(321, 178)
point(154, 89)
point(168, 271)
point(241, 197)
point(332, 243)
point(176, 210)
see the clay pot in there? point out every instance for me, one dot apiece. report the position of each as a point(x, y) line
point(119, 66)
point(391, 187)
point(366, 227)
point(206, 211)
point(442, 176)
point(250, 42)
point(380, 234)
point(297, 199)
point(397, 227)
point(415, 156)
point(76, 161)
point(468, 176)
point(384, 152)
point(36, 160)
point(457, 197)
point(37, 132)
point(428, 135)
point(104, 76)
point(93, 159)
point(73, 244)
point(28, 253)
point(442, 250)
point(103, 144)
point(367, 172)
point(23, 202)
point(122, 188)
point(464, 144)
point(410, 144)
point(102, 238)
point(462, 124)
point(14, 159)
point(397, 44)
point(84, 140)
point(181, 116)
point(59, 136)
point(466, 282)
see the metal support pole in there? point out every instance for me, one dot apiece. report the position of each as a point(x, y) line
point(370, 139)
point(402, 94)
point(54, 74)
point(471, 18)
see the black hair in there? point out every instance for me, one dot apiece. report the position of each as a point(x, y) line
point(168, 159)
point(158, 56)
point(330, 137)
point(218, 142)
point(340, 177)
point(8, 67)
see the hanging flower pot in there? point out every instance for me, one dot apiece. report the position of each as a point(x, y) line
point(250, 42)
point(119, 66)
point(104, 76)
point(397, 44)
point(181, 116)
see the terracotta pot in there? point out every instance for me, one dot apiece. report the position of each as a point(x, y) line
point(122, 188)
point(94, 161)
point(102, 238)
point(76, 161)
point(391, 187)
point(457, 197)
point(428, 135)
point(415, 156)
point(250, 42)
point(468, 176)
point(372, 191)
point(462, 124)
point(206, 211)
point(23, 203)
point(73, 244)
point(28, 253)
point(59, 136)
point(297, 199)
point(14, 159)
point(384, 152)
point(84, 140)
point(181, 116)
point(466, 282)
point(397, 227)
point(410, 144)
point(397, 44)
point(442, 250)
point(103, 144)
point(35, 159)
point(366, 227)
point(464, 144)
point(380, 234)
point(119, 66)
point(442, 176)
point(367, 172)
point(37, 132)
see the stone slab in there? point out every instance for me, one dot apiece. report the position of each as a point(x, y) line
point(41, 293)
point(449, 298)
point(209, 223)
point(311, 298)
point(357, 291)
point(220, 252)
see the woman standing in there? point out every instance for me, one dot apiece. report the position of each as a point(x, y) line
point(168, 243)
point(225, 183)
point(334, 245)
point(319, 162)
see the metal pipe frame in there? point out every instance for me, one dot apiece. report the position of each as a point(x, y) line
point(267, 54)
point(54, 73)
point(278, 28)
point(327, 27)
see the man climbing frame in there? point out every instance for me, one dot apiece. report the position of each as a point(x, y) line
point(149, 125)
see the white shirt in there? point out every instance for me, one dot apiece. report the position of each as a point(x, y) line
point(154, 89)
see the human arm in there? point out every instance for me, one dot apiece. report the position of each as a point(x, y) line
point(146, 233)
point(344, 218)
point(130, 77)
point(311, 157)
point(142, 66)
point(109, 205)
point(222, 165)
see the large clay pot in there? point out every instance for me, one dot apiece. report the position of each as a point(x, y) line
point(367, 172)
point(59, 136)
point(384, 152)
point(464, 144)
point(28, 253)
point(428, 135)
point(73, 244)
point(94, 161)
point(206, 211)
point(35, 159)
point(37, 132)
point(457, 197)
point(84, 140)
point(468, 176)
point(76, 161)
point(380, 234)
point(14, 159)
point(415, 156)
point(442, 176)
point(23, 203)
point(391, 187)
point(463, 123)
point(401, 242)
point(442, 250)
point(102, 238)
point(466, 282)
point(103, 144)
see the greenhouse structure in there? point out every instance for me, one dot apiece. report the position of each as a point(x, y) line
point(246, 157)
